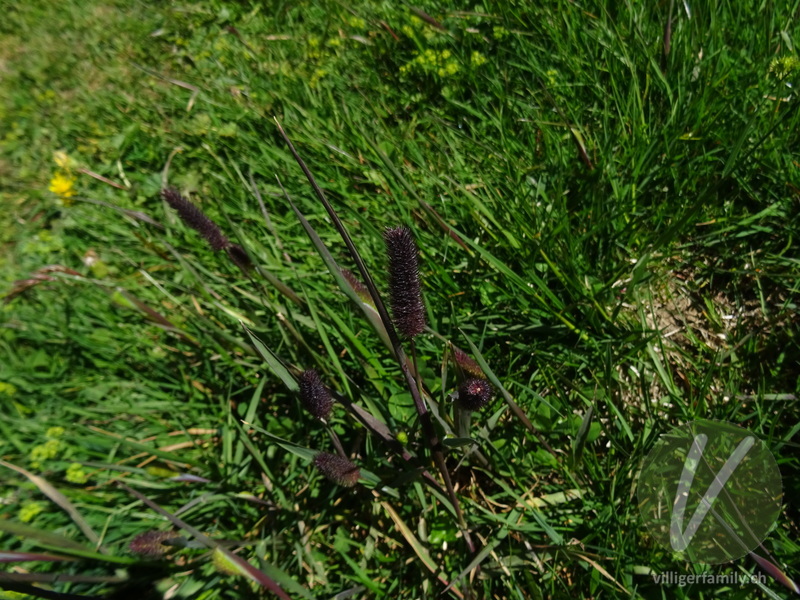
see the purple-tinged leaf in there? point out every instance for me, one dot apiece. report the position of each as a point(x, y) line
point(190, 478)
point(6, 557)
point(773, 571)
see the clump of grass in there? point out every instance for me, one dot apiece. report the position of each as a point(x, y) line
point(563, 276)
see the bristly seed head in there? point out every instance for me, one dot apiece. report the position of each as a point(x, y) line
point(150, 544)
point(474, 394)
point(337, 468)
point(314, 396)
point(196, 219)
point(467, 363)
point(239, 257)
point(405, 291)
point(358, 286)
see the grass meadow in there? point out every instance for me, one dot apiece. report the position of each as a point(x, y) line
point(606, 201)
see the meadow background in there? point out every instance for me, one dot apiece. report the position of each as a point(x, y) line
point(606, 198)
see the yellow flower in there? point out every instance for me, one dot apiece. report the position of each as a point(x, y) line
point(62, 185)
point(477, 59)
point(76, 474)
point(317, 75)
point(54, 432)
point(44, 452)
point(357, 22)
point(499, 33)
point(29, 510)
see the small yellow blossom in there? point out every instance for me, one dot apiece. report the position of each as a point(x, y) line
point(29, 511)
point(499, 33)
point(433, 63)
point(42, 452)
point(62, 185)
point(315, 78)
point(477, 59)
point(54, 432)
point(76, 474)
point(357, 22)
point(451, 68)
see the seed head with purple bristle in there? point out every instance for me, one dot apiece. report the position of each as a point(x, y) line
point(314, 396)
point(405, 291)
point(358, 286)
point(337, 468)
point(239, 257)
point(196, 219)
point(474, 394)
point(467, 363)
point(150, 544)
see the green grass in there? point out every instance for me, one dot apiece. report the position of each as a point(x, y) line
point(615, 230)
